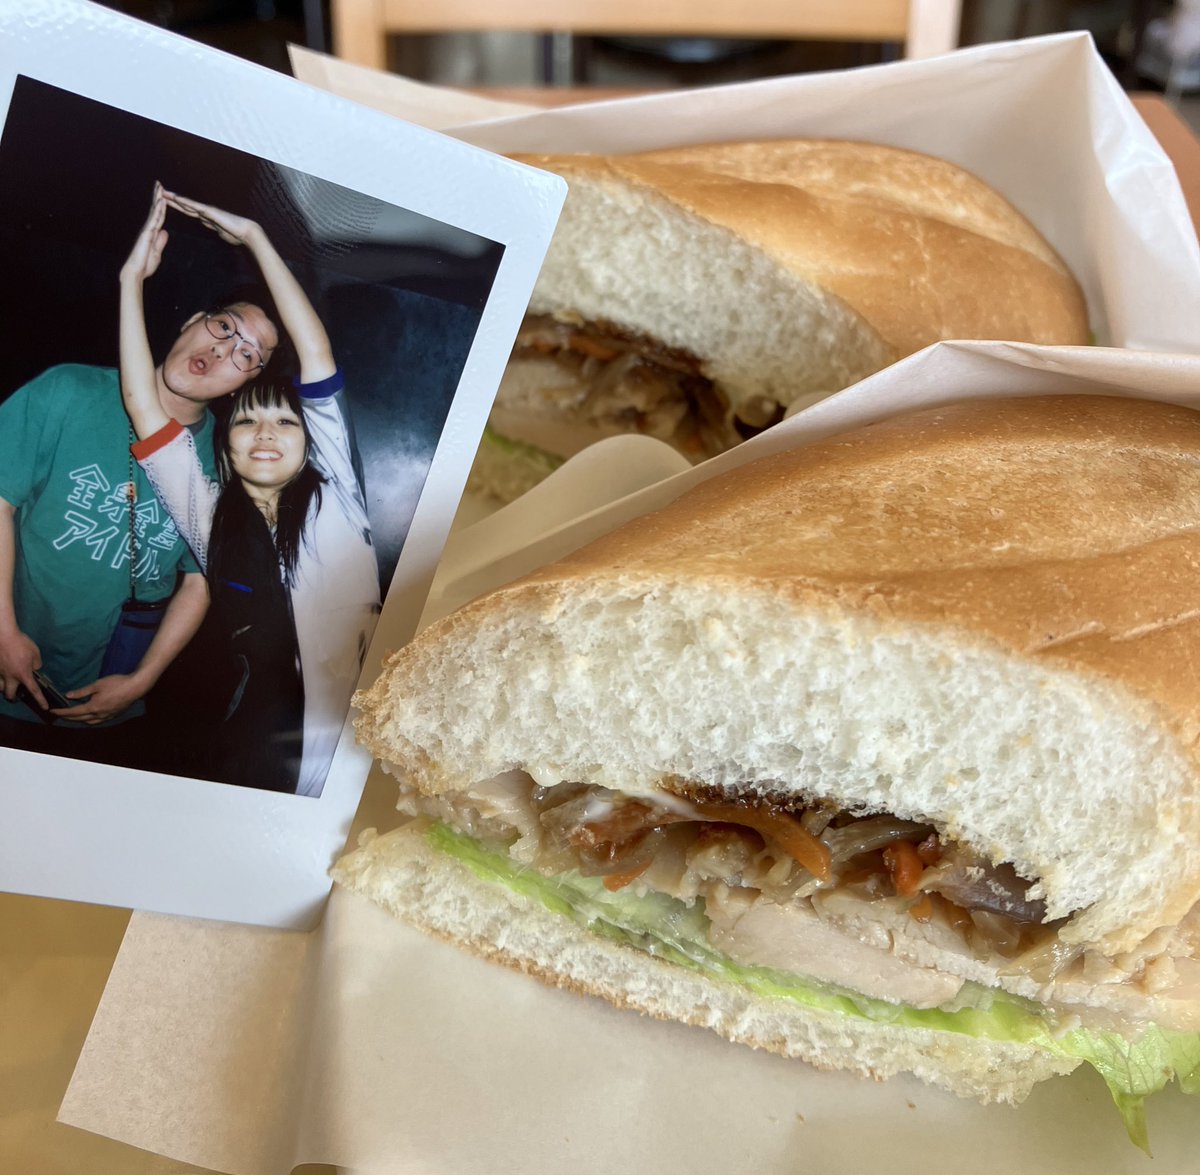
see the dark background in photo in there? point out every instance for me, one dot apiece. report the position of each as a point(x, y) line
point(401, 294)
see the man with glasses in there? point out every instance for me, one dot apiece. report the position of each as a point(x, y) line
point(68, 536)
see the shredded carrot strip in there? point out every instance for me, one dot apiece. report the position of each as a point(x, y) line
point(785, 830)
point(592, 347)
point(615, 881)
point(954, 915)
point(905, 866)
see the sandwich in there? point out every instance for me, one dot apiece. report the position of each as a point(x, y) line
point(698, 294)
point(880, 753)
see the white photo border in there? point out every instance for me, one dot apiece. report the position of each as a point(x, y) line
point(103, 834)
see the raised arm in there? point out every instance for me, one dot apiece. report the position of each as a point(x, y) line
point(139, 391)
point(295, 310)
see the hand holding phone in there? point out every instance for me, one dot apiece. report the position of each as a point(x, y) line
point(55, 698)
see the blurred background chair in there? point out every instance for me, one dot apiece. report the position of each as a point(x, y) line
point(361, 29)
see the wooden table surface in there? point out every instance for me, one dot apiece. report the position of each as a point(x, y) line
point(55, 956)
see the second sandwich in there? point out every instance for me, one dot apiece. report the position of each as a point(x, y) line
point(697, 294)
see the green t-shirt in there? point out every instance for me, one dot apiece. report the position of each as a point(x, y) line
point(64, 464)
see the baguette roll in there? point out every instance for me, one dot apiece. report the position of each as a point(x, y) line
point(697, 294)
point(910, 712)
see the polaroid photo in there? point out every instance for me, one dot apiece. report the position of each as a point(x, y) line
point(252, 333)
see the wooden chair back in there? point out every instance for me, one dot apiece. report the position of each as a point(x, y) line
point(361, 28)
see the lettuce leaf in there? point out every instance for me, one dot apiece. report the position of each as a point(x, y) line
point(1133, 1070)
point(669, 929)
point(507, 469)
point(545, 461)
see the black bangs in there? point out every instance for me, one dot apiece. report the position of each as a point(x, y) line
point(265, 393)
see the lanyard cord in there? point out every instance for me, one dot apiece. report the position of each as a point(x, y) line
point(131, 497)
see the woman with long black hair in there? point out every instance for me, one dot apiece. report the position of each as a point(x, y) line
point(283, 535)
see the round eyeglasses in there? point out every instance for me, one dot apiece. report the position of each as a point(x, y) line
point(245, 356)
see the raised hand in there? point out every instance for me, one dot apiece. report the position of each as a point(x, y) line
point(147, 251)
point(296, 312)
point(232, 229)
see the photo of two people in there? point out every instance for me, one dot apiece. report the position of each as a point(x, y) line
point(203, 491)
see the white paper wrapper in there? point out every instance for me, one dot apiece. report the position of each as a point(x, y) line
point(1042, 120)
point(368, 1046)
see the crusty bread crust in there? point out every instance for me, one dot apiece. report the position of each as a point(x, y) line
point(413, 881)
point(793, 268)
point(983, 616)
